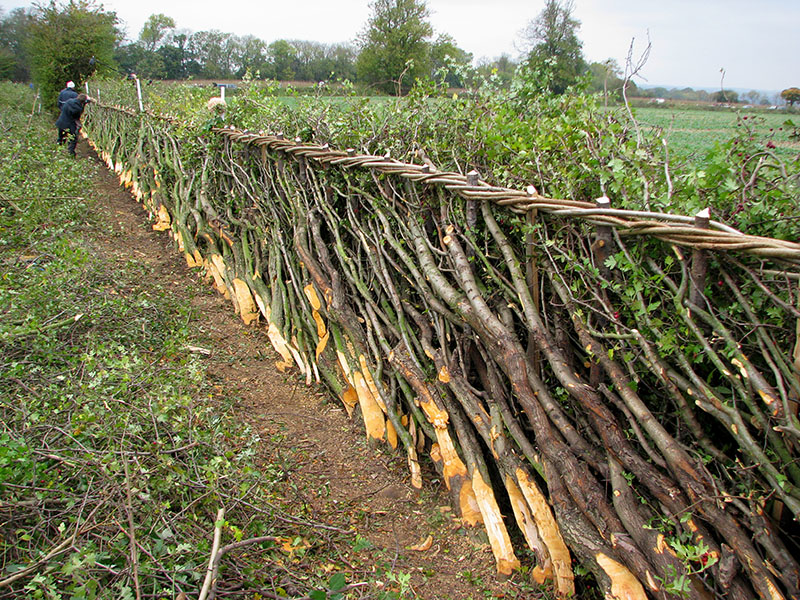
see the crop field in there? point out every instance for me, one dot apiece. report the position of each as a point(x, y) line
point(692, 131)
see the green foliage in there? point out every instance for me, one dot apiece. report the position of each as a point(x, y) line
point(449, 61)
point(395, 46)
point(155, 31)
point(14, 29)
point(605, 79)
point(281, 55)
point(725, 96)
point(69, 42)
point(556, 49)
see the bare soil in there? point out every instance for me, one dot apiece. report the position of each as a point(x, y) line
point(328, 466)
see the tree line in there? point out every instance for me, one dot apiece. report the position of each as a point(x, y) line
point(52, 43)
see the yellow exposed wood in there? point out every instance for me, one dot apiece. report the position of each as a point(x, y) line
point(349, 399)
point(247, 306)
point(215, 266)
point(624, 586)
point(436, 416)
point(452, 463)
point(344, 364)
point(322, 331)
point(391, 434)
point(321, 344)
point(468, 504)
point(774, 593)
point(294, 348)
point(371, 382)
point(444, 374)
point(413, 467)
point(423, 545)
point(499, 540)
point(281, 347)
point(371, 412)
point(527, 525)
point(311, 294)
point(550, 533)
point(266, 312)
point(770, 401)
point(542, 574)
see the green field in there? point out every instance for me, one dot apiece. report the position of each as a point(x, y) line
point(693, 131)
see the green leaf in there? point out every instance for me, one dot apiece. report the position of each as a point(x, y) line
point(337, 582)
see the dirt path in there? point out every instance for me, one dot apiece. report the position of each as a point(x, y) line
point(328, 466)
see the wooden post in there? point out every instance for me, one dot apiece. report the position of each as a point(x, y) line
point(472, 205)
point(603, 245)
point(301, 169)
point(699, 262)
point(532, 276)
point(602, 249)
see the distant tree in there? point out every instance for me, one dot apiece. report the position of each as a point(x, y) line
point(395, 45)
point(281, 56)
point(343, 61)
point(448, 59)
point(500, 69)
point(605, 78)
point(128, 57)
point(14, 30)
point(725, 96)
point(251, 55)
point(155, 30)
point(214, 52)
point(791, 95)
point(70, 42)
point(178, 59)
point(315, 61)
point(556, 52)
point(753, 97)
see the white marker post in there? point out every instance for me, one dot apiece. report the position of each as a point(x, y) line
point(139, 94)
point(87, 88)
point(222, 91)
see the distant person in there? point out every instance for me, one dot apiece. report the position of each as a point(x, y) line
point(69, 122)
point(68, 93)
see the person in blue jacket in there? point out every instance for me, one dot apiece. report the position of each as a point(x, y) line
point(68, 93)
point(69, 122)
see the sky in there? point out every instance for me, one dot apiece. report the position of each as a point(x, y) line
point(754, 42)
